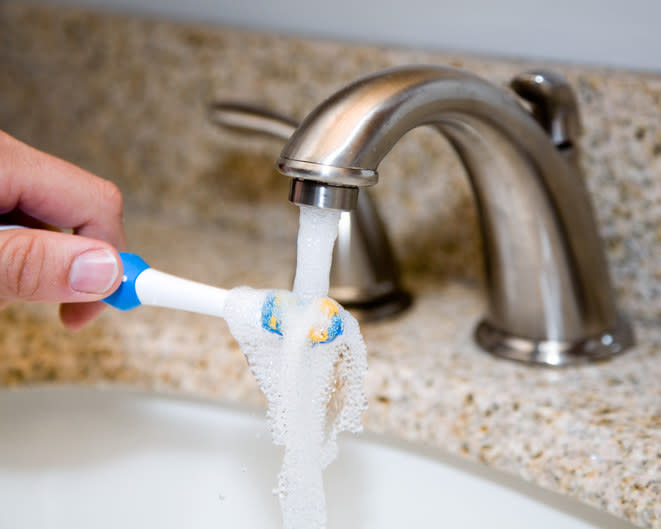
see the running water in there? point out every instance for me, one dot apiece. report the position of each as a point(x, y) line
point(309, 359)
point(317, 232)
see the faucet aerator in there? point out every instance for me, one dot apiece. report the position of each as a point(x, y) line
point(322, 195)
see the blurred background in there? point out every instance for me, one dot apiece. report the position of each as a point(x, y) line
point(622, 33)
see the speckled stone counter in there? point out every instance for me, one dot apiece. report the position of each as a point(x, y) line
point(126, 99)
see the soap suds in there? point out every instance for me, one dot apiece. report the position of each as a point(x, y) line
point(309, 359)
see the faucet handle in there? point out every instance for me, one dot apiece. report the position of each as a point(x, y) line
point(244, 117)
point(553, 104)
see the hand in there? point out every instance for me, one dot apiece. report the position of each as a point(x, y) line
point(37, 190)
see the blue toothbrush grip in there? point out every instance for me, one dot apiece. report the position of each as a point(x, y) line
point(125, 297)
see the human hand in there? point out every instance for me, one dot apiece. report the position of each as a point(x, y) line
point(77, 270)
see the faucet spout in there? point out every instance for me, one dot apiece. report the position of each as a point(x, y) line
point(549, 291)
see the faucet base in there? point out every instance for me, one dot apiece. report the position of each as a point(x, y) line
point(555, 353)
point(380, 308)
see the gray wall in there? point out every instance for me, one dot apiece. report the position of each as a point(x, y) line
point(623, 33)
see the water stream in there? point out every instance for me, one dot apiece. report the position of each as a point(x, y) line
point(309, 359)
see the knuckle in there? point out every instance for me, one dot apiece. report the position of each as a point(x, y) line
point(22, 256)
point(7, 156)
point(15, 157)
point(112, 197)
point(6, 141)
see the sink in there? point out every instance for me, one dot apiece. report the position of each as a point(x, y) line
point(73, 457)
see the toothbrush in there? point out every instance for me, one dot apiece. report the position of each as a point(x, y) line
point(143, 285)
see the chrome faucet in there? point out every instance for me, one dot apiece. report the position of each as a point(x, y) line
point(364, 275)
point(549, 291)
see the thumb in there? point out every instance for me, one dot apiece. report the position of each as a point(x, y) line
point(39, 265)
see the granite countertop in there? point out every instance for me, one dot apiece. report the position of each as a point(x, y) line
point(125, 98)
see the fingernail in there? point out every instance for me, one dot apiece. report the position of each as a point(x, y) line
point(93, 272)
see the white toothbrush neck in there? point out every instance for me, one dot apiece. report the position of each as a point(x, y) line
point(159, 289)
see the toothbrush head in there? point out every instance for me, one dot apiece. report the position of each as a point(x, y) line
point(272, 310)
point(326, 329)
point(331, 324)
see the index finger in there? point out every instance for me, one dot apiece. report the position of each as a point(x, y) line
point(59, 193)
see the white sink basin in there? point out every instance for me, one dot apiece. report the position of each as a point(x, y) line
point(80, 458)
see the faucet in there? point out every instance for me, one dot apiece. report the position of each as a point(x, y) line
point(364, 276)
point(550, 299)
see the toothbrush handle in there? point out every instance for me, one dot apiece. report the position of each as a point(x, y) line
point(142, 285)
point(126, 297)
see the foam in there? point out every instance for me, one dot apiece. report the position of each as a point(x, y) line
point(314, 389)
